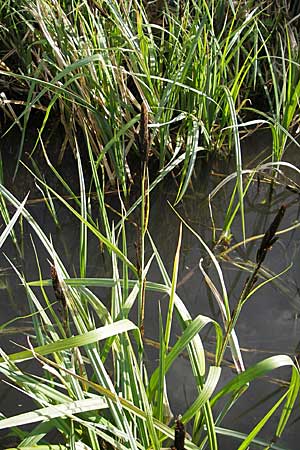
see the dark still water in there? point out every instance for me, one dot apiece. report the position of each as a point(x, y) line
point(268, 323)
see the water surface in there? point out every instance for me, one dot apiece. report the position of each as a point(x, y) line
point(269, 321)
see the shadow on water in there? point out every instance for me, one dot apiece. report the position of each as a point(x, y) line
point(269, 321)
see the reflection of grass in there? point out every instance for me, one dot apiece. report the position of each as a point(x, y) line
point(96, 388)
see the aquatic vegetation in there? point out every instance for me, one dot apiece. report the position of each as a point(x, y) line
point(141, 93)
point(196, 68)
point(95, 388)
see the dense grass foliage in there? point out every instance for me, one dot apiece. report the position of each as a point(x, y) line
point(197, 66)
point(141, 81)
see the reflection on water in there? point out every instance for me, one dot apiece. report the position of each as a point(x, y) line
point(269, 321)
